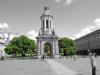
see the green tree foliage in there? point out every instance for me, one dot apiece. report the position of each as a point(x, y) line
point(66, 46)
point(21, 46)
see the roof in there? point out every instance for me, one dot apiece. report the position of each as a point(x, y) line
point(90, 34)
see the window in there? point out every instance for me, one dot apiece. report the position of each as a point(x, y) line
point(43, 23)
point(98, 37)
point(47, 24)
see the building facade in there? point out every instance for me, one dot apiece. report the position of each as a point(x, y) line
point(2, 44)
point(5, 38)
point(90, 41)
point(47, 34)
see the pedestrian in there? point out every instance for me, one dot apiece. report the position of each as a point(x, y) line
point(75, 57)
point(42, 57)
point(2, 54)
point(93, 62)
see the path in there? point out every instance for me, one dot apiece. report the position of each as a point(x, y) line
point(25, 67)
point(60, 69)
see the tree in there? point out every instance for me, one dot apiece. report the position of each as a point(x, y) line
point(66, 46)
point(21, 46)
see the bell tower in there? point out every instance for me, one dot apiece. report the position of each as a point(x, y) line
point(46, 22)
point(47, 34)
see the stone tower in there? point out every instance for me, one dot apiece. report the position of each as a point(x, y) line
point(47, 34)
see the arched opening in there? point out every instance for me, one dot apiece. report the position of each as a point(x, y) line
point(48, 50)
point(43, 23)
point(47, 24)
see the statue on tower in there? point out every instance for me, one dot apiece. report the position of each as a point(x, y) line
point(46, 8)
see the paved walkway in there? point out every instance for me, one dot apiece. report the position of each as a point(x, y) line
point(60, 69)
point(34, 67)
point(25, 67)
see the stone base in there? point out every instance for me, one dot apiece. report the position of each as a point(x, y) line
point(56, 56)
point(53, 57)
point(39, 56)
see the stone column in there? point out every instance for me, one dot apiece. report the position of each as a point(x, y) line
point(44, 24)
point(55, 49)
point(38, 49)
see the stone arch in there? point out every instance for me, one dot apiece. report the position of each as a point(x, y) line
point(48, 49)
point(54, 46)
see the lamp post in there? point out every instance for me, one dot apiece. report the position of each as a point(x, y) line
point(88, 42)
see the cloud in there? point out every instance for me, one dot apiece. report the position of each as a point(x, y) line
point(83, 32)
point(58, 1)
point(66, 2)
point(97, 21)
point(89, 29)
point(4, 26)
point(13, 35)
point(32, 34)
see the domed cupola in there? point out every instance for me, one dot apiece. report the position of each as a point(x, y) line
point(46, 22)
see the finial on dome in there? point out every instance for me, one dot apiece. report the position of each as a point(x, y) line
point(46, 11)
point(46, 7)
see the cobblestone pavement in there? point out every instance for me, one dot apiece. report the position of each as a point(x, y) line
point(81, 65)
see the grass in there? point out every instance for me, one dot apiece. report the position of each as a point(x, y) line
point(35, 57)
point(19, 58)
point(74, 56)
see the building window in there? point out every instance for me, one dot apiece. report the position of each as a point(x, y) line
point(99, 37)
point(47, 24)
point(43, 23)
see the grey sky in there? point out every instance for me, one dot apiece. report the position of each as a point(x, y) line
point(24, 15)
